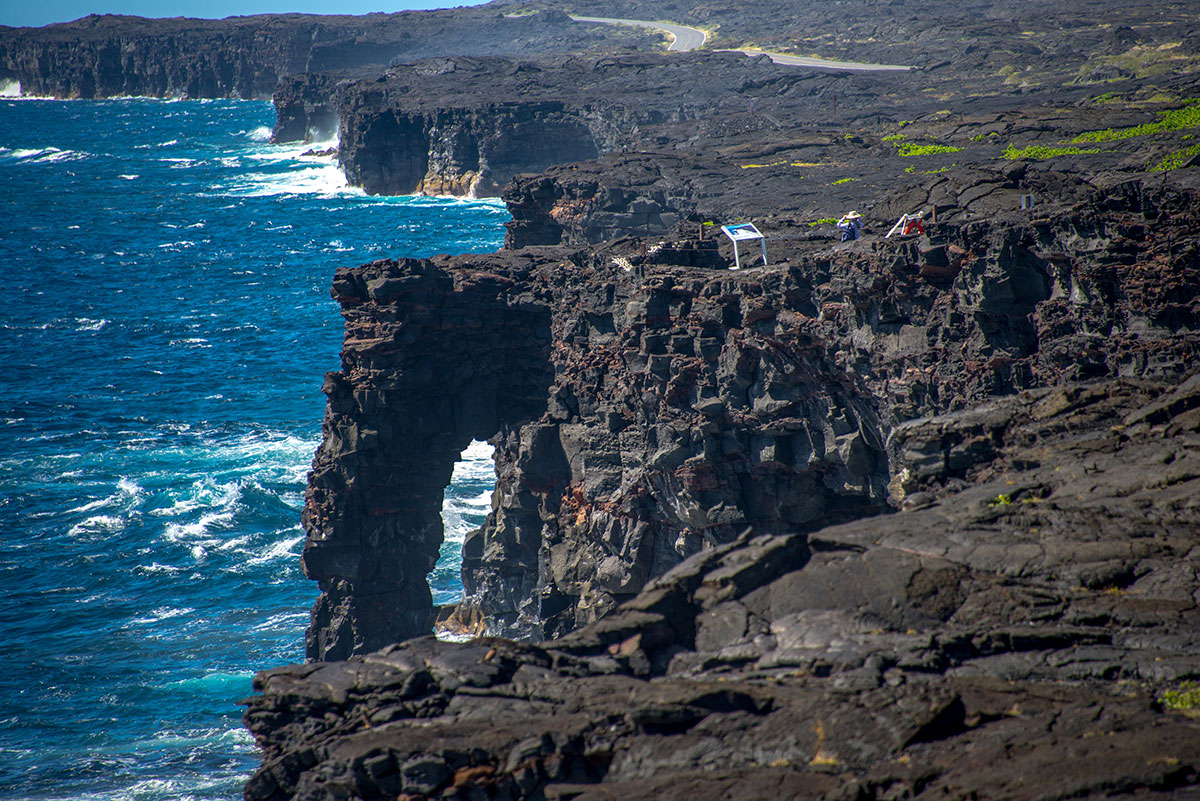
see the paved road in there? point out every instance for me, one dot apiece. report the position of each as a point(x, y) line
point(693, 38)
point(824, 63)
point(685, 38)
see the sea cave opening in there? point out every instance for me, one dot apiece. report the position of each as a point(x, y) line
point(466, 502)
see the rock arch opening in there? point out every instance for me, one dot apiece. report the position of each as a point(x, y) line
point(433, 358)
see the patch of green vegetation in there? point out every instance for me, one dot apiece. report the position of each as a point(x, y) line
point(1185, 699)
point(902, 123)
point(841, 181)
point(896, 137)
point(910, 168)
point(909, 150)
point(823, 221)
point(1011, 74)
point(935, 172)
point(978, 137)
point(1107, 97)
point(1035, 152)
point(1170, 120)
point(1001, 500)
point(1177, 159)
point(1145, 61)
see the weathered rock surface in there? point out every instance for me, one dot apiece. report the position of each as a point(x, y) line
point(1009, 638)
point(469, 124)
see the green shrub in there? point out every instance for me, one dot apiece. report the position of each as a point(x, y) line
point(1043, 152)
point(1185, 699)
point(908, 150)
point(896, 137)
point(843, 181)
point(1169, 120)
point(1177, 159)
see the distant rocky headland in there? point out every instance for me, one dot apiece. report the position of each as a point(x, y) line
point(888, 518)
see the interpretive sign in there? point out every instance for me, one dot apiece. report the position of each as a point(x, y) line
point(744, 232)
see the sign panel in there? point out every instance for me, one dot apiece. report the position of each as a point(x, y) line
point(743, 232)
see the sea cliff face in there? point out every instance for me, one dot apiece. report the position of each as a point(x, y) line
point(638, 416)
point(663, 409)
point(245, 57)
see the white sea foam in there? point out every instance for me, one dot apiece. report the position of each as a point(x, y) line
point(326, 180)
point(162, 613)
point(287, 621)
point(184, 789)
point(98, 524)
point(10, 89)
point(196, 534)
point(86, 324)
point(483, 500)
point(129, 176)
point(156, 567)
point(260, 134)
point(281, 549)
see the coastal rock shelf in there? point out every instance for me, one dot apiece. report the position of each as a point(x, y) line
point(1016, 637)
point(467, 125)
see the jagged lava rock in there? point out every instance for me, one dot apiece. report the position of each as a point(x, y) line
point(638, 416)
point(1012, 638)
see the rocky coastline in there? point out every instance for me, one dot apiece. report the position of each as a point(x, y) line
point(889, 518)
point(883, 519)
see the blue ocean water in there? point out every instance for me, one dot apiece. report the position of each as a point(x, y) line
point(165, 328)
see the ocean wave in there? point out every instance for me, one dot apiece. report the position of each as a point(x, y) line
point(176, 789)
point(283, 621)
point(42, 155)
point(162, 613)
point(215, 681)
point(483, 500)
point(260, 134)
point(281, 549)
point(293, 152)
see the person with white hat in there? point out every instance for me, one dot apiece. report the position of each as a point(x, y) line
point(851, 224)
